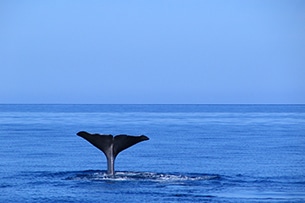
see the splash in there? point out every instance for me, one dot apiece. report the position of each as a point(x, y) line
point(138, 176)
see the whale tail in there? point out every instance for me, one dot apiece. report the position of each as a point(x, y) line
point(111, 146)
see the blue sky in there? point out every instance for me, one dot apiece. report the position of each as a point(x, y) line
point(169, 51)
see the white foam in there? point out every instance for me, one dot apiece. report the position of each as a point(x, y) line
point(141, 176)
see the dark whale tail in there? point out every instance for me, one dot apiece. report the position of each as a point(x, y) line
point(111, 146)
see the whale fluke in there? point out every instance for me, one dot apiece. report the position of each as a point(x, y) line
point(111, 145)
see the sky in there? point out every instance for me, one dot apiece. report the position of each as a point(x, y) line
point(152, 52)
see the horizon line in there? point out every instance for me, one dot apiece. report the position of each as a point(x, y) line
point(152, 103)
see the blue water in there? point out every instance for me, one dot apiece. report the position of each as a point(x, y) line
point(196, 153)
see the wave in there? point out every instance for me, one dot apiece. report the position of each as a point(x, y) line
point(185, 186)
point(99, 175)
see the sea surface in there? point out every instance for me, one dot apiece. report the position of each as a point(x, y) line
point(196, 153)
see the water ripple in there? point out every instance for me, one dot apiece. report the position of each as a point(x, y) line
point(96, 175)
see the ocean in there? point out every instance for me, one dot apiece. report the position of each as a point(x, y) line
point(196, 153)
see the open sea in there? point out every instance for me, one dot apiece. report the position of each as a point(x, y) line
point(196, 153)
